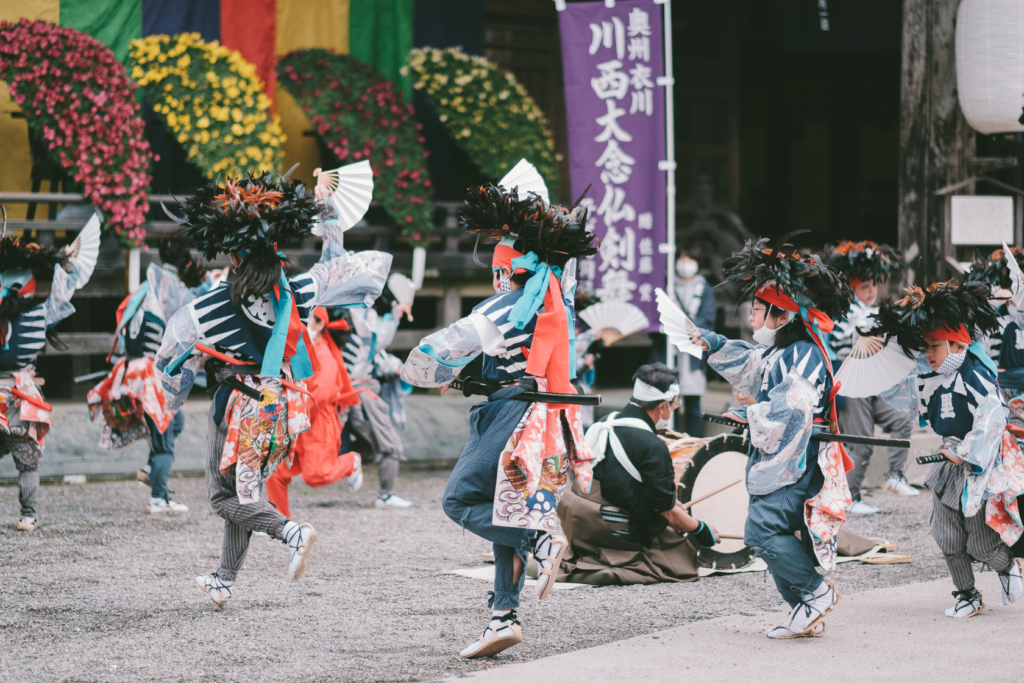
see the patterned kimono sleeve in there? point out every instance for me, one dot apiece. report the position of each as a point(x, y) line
point(781, 426)
point(176, 363)
point(981, 446)
point(345, 278)
point(58, 304)
point(739, 363)
point(903, 396)
point(441, 356)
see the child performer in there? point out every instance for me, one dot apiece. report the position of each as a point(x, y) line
point(372, 330)
point(1005, 346)
point(533, 266)
point(26, 324)
point(795, 484)
point(260, 351)
point(866, 265)
point(130, 397)
point(318, 457)
point(953, 388)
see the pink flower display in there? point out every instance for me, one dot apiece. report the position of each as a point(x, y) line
point(79, 98)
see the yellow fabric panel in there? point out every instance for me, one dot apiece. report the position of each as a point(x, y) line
point(17, 160)
point(47, 10)
point(304, 24)
point(312, 23)
point(297, 148)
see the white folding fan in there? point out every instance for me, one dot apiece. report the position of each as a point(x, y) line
point(1016, 277)
point(403, 289)
point(85, 250)
point(872, 367)
point(677, 324)
point(351, 190)
point(614, 319)
point(526, 179)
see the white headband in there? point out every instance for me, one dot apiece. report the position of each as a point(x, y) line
point(642, 391)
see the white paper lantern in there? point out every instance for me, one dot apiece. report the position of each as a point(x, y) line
point(990, 64)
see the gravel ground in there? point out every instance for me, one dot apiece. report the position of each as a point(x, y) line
point(104, 592)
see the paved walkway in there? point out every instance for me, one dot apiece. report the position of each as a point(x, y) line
point(891, 634)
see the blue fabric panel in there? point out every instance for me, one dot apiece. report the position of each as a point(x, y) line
point(171, 17)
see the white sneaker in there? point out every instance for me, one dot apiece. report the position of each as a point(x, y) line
point(814, 606)
point(217, 588)
point(859, 507)
point(393, 501)
point(784, 632)
point(355, 480)
point(28, 524)
point(300, 538)
point(158, 505)
point(501, 633)
point(897, 483)
point(1012, 584)
point(968, 604)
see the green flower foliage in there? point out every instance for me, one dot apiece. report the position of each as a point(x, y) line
point(488, 113)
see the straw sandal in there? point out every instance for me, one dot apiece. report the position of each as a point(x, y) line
point(816, 632)
point(495, 640)
point(547, 566)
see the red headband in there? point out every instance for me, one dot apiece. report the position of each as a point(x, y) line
point(321, 314)
point(771, 294)
point(954, 334)
point(503, 255)
point(856, 282)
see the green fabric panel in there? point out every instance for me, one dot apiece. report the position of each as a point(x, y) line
point(115, 23)
point(380, 34)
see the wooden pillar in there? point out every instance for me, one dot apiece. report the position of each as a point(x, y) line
point(935, 140)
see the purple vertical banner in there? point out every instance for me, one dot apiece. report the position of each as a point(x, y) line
point(612, 59)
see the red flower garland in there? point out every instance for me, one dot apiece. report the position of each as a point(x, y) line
point(360, 115)
point(77, 95)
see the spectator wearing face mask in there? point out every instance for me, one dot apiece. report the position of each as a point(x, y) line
point(697, 298)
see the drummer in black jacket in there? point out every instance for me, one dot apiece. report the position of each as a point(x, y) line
point(634, 466)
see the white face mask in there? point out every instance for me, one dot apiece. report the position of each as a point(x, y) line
point(662, 423)
point(953, 361)
point(686, 268)
point(765, 336)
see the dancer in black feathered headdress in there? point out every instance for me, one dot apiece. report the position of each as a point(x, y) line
point(27, 323)
point(994, 270)
point(866, 265)
point(952, 387)
point(787, 374)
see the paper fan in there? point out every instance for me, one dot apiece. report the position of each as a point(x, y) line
point(614, 320)
point(527, 179)
point(1016, 277)
point(678, 326)
point(402, 288)
point(351, 190)
point(85, 250)
point(872, 367)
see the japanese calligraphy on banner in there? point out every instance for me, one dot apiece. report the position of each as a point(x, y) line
point(612, 58)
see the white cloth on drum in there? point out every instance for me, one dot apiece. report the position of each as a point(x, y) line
point(602, 433)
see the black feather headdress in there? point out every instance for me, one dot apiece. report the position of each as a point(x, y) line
point(865, 261)
point(940, 305)
point(555, 233)
point(251, 214)
point(806, 279)
point(14, 255)
point(993, 270)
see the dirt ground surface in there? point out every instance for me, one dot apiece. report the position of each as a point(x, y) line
point(105, 592)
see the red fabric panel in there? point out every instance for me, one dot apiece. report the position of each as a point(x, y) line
point(250, 26)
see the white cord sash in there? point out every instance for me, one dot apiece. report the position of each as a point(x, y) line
point(602, 433)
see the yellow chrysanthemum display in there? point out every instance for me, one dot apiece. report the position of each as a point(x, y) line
point(212, 100)
point(486, 110)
